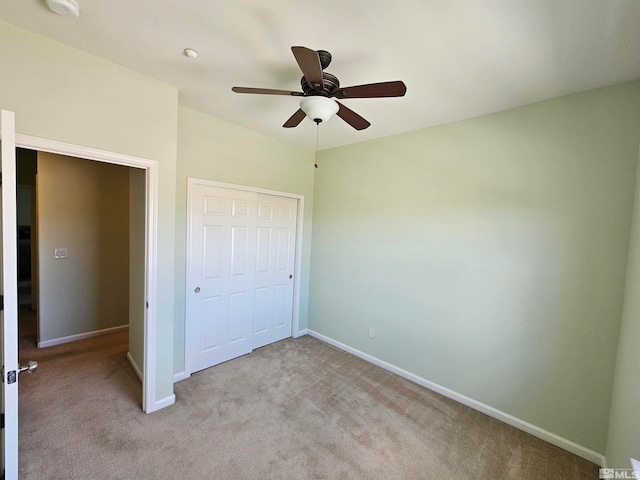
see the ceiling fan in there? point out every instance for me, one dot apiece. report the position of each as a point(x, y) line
point(319, 88)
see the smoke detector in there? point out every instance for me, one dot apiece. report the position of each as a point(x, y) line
point(66, 8)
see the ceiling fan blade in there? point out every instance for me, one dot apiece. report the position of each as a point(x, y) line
point(351, 117)
point(266, 91)
point(372, 90)
point(309, 62)
point(295, 119)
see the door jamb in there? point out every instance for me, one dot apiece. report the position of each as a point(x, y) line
point(149, 403)
point(295, 323)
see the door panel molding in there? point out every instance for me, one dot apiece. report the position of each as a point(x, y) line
point(278, 224)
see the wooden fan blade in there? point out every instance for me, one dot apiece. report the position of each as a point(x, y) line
point(266, 91)
point(295, 119)
point(372, 90)
point(351, 117)
point(309, 62)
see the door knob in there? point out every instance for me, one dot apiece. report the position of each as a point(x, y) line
point(30, 367)
point(197, 289)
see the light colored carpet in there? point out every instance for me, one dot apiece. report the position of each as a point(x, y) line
point(297, 409)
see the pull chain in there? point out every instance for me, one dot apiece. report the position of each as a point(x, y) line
point(317, 141)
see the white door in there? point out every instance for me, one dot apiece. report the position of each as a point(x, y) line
point(241, 250)
point(220, 273)
point(275, 260)
point(9, 291)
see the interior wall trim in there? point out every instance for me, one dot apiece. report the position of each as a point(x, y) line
point(300, 333)
point(81, 336)
point(163, 403)
point(137, 370)
point(527, 427)
point(180, 376)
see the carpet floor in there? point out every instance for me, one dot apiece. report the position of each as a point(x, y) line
point(297, 409)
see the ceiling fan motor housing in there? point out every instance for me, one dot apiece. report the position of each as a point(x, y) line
point(331, 82)
point(325, 58)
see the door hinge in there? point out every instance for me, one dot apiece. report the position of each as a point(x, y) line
point(1, 420)
point(1, 302)
point(147, 304)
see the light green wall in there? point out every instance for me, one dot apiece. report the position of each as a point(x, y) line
point(489, 254)
point(212, 149)
point(83, 207)
point(624, 424)
point(64, 94)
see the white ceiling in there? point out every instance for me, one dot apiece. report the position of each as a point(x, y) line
point(459, 59)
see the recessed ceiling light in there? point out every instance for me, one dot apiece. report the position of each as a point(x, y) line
point(66, 8)
point(191, 53)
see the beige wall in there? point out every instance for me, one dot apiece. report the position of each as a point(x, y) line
point(83, 206)
point(64, 94)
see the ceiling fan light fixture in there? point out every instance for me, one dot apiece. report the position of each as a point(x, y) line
point(319, 109)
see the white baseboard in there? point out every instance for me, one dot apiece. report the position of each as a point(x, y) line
point(135, 366)
point(301, 333)
point(162, 403)
point(81, 336)
point(538, 432)
point(180, 376)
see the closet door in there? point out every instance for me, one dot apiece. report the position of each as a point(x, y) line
point(275, 260)
point(220, 275)
point(241, 250)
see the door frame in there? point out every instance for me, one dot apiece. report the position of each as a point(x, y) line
point(149, 403)
point(297, 269)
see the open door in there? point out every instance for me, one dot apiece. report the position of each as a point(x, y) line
point(9, 292)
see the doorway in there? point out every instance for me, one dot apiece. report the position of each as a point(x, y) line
point(79, 268)
point(143, 299)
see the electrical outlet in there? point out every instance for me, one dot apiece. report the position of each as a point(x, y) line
point(60, 253)
point(372, 332)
